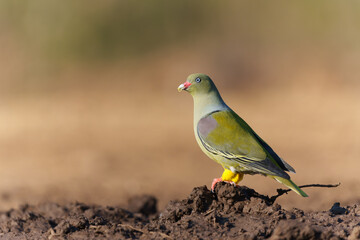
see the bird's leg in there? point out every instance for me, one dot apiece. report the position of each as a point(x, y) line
point(228, 176)
point(231, 177)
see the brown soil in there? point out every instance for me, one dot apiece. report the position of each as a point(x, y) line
point(228, 213)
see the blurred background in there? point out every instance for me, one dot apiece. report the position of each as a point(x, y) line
point(89, 108)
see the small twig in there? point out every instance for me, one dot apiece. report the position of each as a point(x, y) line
point(130, 227)
point(52, 234)
point(152, 235)
point(281, 191)
point(145, 232)
point(208, 212)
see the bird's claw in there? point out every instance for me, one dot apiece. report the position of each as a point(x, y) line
point(216, 180)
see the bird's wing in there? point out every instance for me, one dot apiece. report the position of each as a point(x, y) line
point(281, 162)
point(224, 133)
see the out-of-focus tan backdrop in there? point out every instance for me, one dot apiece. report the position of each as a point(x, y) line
point(89, 109)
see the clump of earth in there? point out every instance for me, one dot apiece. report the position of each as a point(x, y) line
point(230, 212)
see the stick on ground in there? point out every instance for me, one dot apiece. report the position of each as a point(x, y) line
point(281, 191)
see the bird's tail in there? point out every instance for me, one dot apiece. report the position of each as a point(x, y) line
point(290, 184)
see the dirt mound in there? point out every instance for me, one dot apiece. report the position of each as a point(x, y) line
point(228, 213)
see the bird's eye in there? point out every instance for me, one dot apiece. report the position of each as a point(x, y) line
point(197, 79)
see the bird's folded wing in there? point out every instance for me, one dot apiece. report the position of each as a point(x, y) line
point(225, 134)
point(281, 162)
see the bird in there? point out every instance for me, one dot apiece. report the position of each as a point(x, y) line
point(228, 140)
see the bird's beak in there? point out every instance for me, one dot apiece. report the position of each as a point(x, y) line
point(184, 86)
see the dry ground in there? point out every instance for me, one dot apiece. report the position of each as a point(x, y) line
point(227, 213)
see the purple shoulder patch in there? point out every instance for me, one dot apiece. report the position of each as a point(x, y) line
point(206, 125)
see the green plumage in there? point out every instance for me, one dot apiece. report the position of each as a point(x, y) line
point(228, 139)
point(233, 143)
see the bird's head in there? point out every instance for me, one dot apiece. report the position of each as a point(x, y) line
point(197, 83)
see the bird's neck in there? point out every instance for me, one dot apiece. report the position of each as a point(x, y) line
point(207, 103)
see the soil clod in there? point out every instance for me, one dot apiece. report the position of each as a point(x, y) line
point(337, 210)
